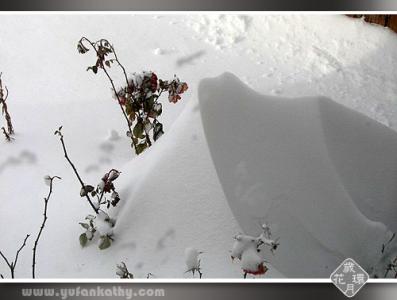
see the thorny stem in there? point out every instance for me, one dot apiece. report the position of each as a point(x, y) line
point(120, 105)
point(113, 86)
point(120, 65)
point(128, 85)
point(75, 170)
point(42, 225)
point(12, 265)
point(6, 134)
point(20, 249)
point(3, 98)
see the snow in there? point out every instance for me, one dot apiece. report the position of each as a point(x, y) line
point(251, 260)
point(221, 31)
point(249, 250)
point(294, 178)
point(158, 51)
point(322, 172)
point(113, 136)
point(241, 244)
point(103, 225)
point(192, 259)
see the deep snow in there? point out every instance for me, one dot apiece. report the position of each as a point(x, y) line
point(335, 200)
point(274, 160)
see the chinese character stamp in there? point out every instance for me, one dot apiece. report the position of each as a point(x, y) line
point(349, 277)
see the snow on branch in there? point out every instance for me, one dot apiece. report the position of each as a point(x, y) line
point(248, 250)
point(192, 261)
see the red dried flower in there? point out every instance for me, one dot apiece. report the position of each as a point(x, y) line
point(262, 269)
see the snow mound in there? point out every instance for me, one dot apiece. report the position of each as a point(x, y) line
point(175, 202)
point(322, 174)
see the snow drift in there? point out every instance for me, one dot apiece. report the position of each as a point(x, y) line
point(322, 174)
point(176, 204)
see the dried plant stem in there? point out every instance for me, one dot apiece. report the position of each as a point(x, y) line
point(12, 265)
point(129, 124)
point(75, 170)
point(6, 135)
point(42, 225)
point(4, 109)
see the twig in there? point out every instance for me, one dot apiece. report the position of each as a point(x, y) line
point(4, 109)
point(12, 265)
point(120, 65)
point(59, 133)
point(42, 225)
point(6, 135)
point(20, 249)
point(112, 83)
point(6, 260)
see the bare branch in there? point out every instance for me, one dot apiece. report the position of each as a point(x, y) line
point(5, 259)
point(112, 83)
point(59, 133)
point(6, 95)
point(42, 225)
point(20, 249)
point(4, 109)
point(6, 135)
point(12, 265)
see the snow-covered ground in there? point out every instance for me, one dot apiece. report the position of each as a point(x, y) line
point(322, 175)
